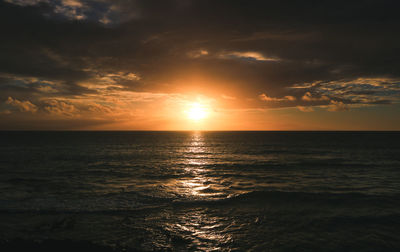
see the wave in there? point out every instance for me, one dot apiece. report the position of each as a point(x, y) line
point(288, 196)
point(276, 198)
point(132, 202)
point(53, 245)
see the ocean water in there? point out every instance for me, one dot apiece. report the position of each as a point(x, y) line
point(203, 191)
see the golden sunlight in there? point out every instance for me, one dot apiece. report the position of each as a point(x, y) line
point(196, 111)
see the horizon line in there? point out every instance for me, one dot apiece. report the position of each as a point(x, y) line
point(83, 130)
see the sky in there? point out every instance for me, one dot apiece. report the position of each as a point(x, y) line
point(199, 65)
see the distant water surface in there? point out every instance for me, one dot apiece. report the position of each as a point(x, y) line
point(259, 191)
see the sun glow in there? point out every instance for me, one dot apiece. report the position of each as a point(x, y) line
point(196, 111)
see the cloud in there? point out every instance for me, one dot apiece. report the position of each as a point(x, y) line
point(198, 53)
point(26, 2)
point(102, 11)
point(72, 3)
point(23, 106)
point(267, 98)
point(60, 108)
point(71, 12)
point(309, 97)
point(72, 9)
point(252, 56)
point(113, 79)
point(290, 98)
point(338, 106)
point(227, 97)
point(305, 109)
point(354, 91)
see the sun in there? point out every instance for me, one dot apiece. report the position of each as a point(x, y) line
point(196, 112)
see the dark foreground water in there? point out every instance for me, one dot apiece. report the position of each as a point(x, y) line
point(257, 191)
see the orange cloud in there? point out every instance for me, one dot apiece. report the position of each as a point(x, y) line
point(56, 107)
point(305, 109)
point(267, 98)
point(338, 106)
point(309, 97)
point(23, 106)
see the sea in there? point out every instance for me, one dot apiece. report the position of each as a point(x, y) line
point(200, 191)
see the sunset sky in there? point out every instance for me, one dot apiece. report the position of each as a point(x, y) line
point(199, 65)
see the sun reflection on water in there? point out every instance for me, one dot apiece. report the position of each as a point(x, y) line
point(196, 181)
point(202, 230)
point(196, 151)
